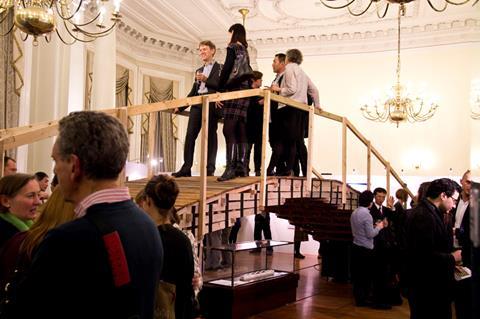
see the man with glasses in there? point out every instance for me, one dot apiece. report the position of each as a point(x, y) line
point(430, 260)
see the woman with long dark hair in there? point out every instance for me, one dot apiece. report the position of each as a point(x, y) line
point(235, 111)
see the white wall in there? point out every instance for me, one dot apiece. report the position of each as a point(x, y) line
point(441, 145)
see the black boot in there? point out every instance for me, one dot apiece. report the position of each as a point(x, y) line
point(241, 170)
point(242, 160)
point(230, 169)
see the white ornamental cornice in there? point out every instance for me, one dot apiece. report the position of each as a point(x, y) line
point(374, 40)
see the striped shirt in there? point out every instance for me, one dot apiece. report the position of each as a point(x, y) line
point(109, 195)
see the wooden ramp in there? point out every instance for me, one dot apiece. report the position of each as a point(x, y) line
point(239, 197)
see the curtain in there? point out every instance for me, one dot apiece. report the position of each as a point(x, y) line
point(11, 81)
point(165, 143)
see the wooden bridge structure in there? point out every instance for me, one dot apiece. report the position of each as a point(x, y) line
point(206, 205)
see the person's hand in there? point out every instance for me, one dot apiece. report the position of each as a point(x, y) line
point(379, 224)
point(196, 281)
point(219, 104)
point(200, 77)
point(457, 254)
point(260, 102)
point(390, 202)
point(385, 222)
point(275, 88)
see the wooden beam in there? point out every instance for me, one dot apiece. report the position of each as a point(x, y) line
point(388, 169)
point(203, 168)
point(357, 133)
point(151, 142)
point(344, 160)
point(311, 120)
point(317, 173)
point(263, 169)
point(122, 115)
point(2, 150)
point(369, 165)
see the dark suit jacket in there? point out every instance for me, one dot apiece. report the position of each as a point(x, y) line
point(463, 236)
point(211, 84)
point(430, 265)
point(386, 237)
point(7, 231)
point(71, 277)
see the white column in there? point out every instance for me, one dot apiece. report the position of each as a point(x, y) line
point(104, 73)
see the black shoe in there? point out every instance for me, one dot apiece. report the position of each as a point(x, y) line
point(210, 173)
point(241, 169)
point(182, 173)
point(299, 256)
point(230, 170)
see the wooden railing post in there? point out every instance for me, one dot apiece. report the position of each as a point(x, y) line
point(2, 150)
point(344, 160)
point(151, 142)
point(203, 168)
point(369, 165)
point(311, 119)
point(122, 115)
point(263, 170)
point(388, 168)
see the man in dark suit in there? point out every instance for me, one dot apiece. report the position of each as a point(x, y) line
point(461, 216)
point(384, 293)
point(206, 82)
point(107, 262)
point(430, 258)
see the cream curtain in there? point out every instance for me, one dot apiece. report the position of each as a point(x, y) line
point(165, 144)
point(11, 81)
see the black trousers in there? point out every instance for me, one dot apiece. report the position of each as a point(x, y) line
point(362, 272)
point(262, 224)
point(193, 129)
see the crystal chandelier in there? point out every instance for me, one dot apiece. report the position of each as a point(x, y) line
point(66, 18)
point(359, 7)
point(475, 99)
point(399, 106)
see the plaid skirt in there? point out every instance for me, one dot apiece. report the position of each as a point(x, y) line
point(236, 109)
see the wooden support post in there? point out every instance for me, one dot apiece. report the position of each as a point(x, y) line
point(263, 170)
point(369, 165)
point(344, 160)
point(203, 168)
point(2, 150)
point(122, 115)
point(151, 141)
point(311, 119)
point(388, 168)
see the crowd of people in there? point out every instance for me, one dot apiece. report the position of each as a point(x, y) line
point(415, 252)
point(88, 250)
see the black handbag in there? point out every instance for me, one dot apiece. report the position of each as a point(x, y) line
point(241, 68)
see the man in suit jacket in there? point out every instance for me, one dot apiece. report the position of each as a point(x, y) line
point(107, 262)
point(206, 82)
point(430, 257)
point(461, 215)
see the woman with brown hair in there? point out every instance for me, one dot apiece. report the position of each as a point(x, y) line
point(18, 252)
point(235, 111)
point(19, 201)
point(161, 193)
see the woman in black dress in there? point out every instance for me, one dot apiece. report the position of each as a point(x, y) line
point(235, 111)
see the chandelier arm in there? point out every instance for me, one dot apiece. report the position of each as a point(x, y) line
point(65, 42)
point(70, 17)
point(359, 14)
point(457, 3)
point(97, 34)
point(340, 7)
point(86, 23)
point(9, 30)
point(4, 16)
point(435, 8)
point(476, 1)
point(74, 36)
point(384, 12)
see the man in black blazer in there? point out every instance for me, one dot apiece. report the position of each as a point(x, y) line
point(461, 219)
point(106, 263)
point(430, 258)
point(206, 82)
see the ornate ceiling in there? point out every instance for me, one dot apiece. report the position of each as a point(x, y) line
point(274, 25)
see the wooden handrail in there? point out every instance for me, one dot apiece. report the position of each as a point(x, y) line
point(15, 137)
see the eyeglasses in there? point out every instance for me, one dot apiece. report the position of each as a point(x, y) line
point(455, 200)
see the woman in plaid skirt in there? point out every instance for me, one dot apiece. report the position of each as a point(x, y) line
point(235, 111)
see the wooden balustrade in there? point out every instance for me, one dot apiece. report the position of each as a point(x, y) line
point(15, 137)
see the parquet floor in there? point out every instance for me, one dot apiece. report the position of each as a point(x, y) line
point(317, 298)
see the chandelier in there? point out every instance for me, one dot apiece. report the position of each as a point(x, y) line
point(359, 7)
point(475, 99)
point(399, 106)
point(66, 18)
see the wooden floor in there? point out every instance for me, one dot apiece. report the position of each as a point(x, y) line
point(190, 187)
point(317, 298)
